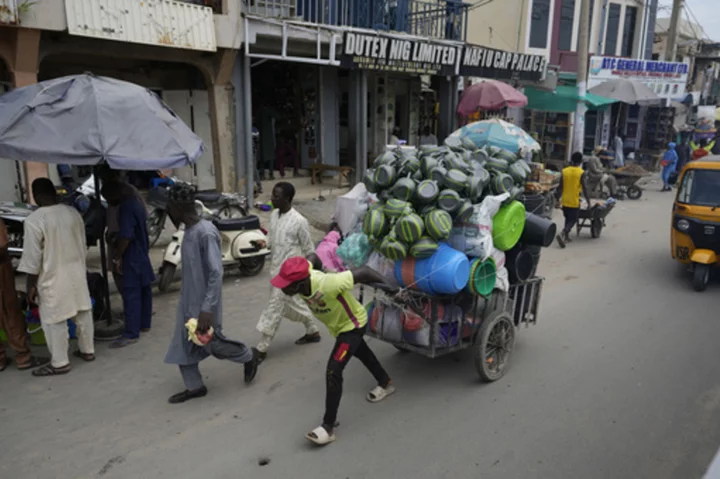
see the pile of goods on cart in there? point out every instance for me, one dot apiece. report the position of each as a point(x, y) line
point(448, 225)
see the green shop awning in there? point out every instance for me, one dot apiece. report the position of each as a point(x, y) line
point(563, 100)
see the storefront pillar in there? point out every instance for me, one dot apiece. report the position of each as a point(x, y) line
point(245, 162)
point(222, 120)
point(240, 107)
point(448, 99)
point(329, 131)
point(357, 121)
point(20, 49)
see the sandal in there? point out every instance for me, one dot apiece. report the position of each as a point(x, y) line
point(379, 393)
point(308, 339)
point(87, 357)
point(320, 437)
point(49, 370)
point(34, 363)
point(4, 364)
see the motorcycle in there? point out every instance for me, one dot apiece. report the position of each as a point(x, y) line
point(223, 205)
point(243, 245)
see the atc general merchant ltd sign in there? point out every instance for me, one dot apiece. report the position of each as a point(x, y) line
point(414, 56)
point(666, 79)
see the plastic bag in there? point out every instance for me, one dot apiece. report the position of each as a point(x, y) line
point(384, 266)
point(392, 325)
point(354, 251)
point(327, 252)
point(474, 237)
point(502, 280)
point(350, 208)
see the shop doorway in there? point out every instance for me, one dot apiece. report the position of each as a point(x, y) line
point(401, 124)
point(286, 117)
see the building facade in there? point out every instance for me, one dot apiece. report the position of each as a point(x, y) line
point(227, 67)
point(183, 51)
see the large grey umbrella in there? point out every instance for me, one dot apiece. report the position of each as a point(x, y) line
point(86, 120)
point(626, 91)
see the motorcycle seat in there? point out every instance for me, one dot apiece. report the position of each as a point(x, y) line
point(238, 224)
point(209, 197)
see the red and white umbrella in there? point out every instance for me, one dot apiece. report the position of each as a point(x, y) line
point(489, 95)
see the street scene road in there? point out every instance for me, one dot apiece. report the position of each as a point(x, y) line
point(618, 379)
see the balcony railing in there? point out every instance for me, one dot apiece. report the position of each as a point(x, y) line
point(216, 5)
point(442, 19)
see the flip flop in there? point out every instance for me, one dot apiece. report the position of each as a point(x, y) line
point(320, 437)
point(49, 370)
point(85, 357)
point(379, 393)
point(4, 364)
point(34, 363)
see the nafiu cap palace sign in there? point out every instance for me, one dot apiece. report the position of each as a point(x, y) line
point(396, 54)
point(502, 65)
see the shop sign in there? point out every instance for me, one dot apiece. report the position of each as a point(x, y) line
point(426, 57)
point(501, 65)
point(666, 79)
point(394, 54)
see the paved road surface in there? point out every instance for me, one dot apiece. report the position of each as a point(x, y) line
point(618, 380)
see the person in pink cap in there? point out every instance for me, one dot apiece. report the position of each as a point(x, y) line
point(329, 296)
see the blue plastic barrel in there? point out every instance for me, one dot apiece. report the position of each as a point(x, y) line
point(420, 270)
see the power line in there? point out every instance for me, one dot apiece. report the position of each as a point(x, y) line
point(478, 4)
point(695, 21)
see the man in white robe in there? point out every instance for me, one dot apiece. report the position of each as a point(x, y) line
point(54, 253)
point(289, 236)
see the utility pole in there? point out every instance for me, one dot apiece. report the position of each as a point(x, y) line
point(671, 49)
point(583, 47)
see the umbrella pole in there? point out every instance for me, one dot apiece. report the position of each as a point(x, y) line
point(103, 255)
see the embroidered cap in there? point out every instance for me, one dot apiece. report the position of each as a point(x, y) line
point(292, 270)
point(182, 193)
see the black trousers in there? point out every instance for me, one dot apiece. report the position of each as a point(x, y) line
point(571, 217)
point(348, 345)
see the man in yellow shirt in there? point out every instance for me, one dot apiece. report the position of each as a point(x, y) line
point(572, 184)
point(329, 296)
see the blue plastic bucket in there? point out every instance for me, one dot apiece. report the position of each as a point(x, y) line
point(450, 270)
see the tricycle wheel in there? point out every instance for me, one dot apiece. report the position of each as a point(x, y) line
point(596, 228)
point(701, 277)
point(633, 192)
point(494, 346)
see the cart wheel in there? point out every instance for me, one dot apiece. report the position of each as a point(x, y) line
point(634, 192)
point(596, 228)
point(701, 277)
point(495, 342)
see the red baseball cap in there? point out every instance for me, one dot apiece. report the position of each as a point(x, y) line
point(292, 270)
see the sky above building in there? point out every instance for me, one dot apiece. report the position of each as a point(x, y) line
point(704, 12)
